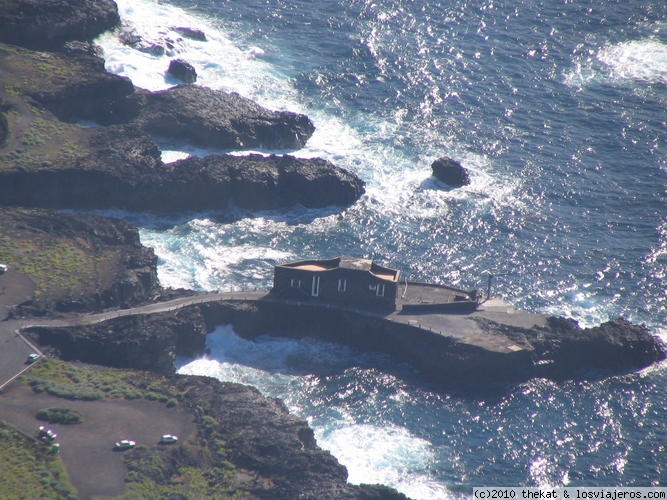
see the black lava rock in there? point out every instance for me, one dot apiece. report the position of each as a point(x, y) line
point(182, 70)
point(451, 172)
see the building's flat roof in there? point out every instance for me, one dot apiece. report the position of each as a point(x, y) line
point(311, 267)
point(346, 262)
point(389, 276)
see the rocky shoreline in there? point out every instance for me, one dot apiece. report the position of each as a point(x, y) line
point(48, 159)
point(62, 263)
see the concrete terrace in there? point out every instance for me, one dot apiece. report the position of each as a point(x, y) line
point(465, 329)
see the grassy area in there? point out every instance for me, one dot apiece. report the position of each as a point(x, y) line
point(29, 469)
point(82, 383)
point(33, 71)
point(153, 474)
point(37, 139)
point(59, 267)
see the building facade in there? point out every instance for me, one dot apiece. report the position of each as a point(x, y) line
point(343, 280)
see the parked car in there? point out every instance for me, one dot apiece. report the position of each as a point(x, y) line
point(124, 444)
point(168, 439)
point(32, 357)
point(46, 435)
point(3, 268)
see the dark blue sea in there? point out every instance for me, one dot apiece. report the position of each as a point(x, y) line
point(558, 110)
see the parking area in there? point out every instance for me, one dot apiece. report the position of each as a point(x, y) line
point(87, 448)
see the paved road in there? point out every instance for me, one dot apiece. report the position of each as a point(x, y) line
point(15, 348)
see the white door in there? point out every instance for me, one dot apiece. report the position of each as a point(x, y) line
point(315, 290)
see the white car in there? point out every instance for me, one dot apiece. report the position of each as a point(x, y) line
point(168, 439)
point(32, 357)
point(124, 444)
point(3, 268)
point(46, 435)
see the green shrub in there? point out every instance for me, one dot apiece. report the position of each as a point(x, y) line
point(59, 416)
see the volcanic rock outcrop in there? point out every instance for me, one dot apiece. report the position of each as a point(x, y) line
point(48, 161)
point(47, 24)
point(182, 70)
point(451, 172)
point(215, 119)
point(256, 181)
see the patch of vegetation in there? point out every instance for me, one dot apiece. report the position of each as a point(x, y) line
point(59, 267)
point(42, 141)
point(162, 472)
point(29, 469)
point(83, 383)
point(58, 415)
point(31, 71)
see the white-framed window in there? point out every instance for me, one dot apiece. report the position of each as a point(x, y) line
point(342, 285)
point(295, 283)
point(315, 289)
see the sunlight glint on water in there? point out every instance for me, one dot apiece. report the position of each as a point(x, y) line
point(557, 110)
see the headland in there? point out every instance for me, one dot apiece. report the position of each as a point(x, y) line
point(85, 295)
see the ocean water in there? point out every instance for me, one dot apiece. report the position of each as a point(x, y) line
point(557, 108)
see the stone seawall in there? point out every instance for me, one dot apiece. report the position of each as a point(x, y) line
point(439, 359)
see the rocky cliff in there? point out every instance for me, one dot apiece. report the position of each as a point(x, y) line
point(48, 159)
point(47, 24)
point(262, 436)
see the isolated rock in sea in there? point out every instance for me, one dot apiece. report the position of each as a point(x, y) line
point(47, 24)
point(129, 36)
point(182, 70)
point(191, 33)
point(451, 172)
point(216, 119)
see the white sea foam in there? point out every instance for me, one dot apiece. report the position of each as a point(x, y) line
point(637, 61)
point(205, 254)
point(279, 367)
point(219, 63)
point(384, 455)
